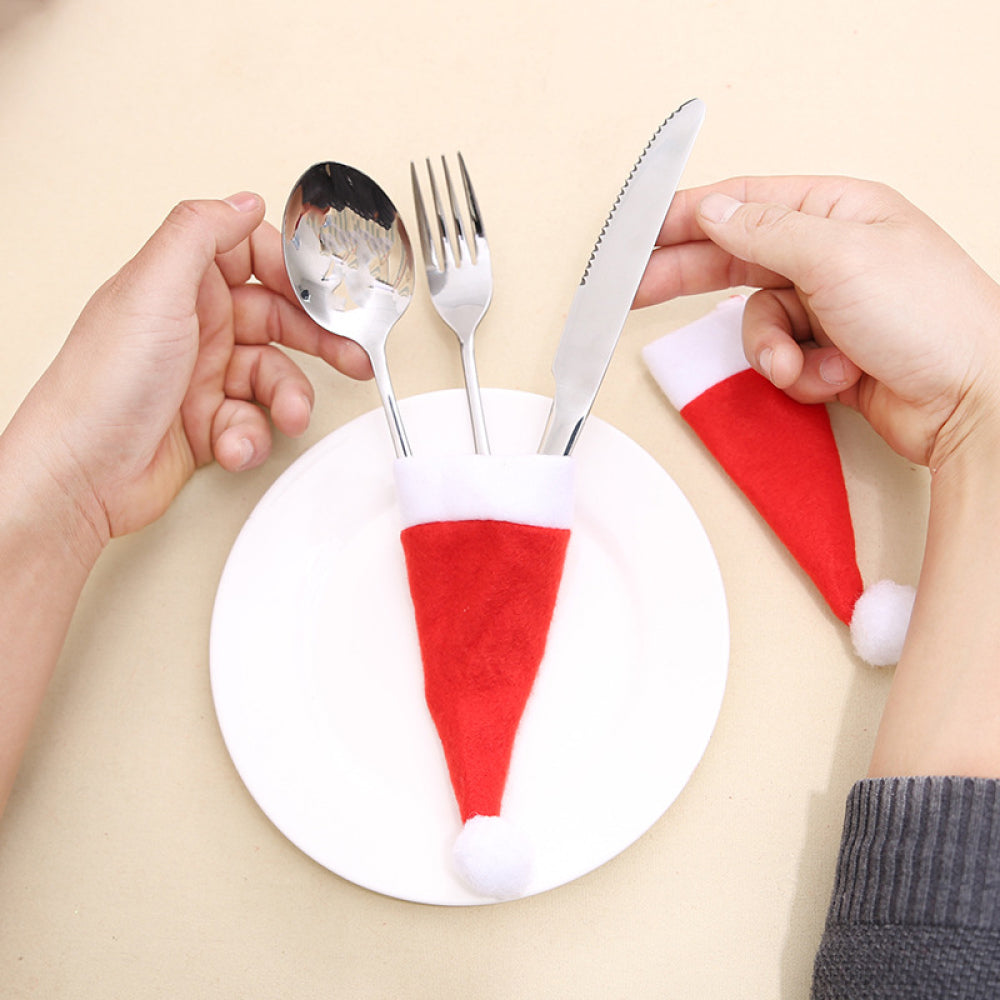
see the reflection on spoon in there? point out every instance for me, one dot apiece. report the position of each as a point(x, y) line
point(351, 265)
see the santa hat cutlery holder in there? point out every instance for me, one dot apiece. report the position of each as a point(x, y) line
point(484, 539)
point(783, 456)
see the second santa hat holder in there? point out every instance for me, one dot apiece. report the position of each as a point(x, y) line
point(784, 457)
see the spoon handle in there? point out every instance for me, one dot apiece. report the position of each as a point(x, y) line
point(384, 385)
point(475, 398)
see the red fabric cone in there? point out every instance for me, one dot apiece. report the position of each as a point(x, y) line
point(784, 457)
point(483, 594)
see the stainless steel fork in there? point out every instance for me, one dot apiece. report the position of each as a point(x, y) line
point(460, 282)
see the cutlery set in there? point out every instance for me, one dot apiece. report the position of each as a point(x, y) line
point(351, 264)
point(484, 542)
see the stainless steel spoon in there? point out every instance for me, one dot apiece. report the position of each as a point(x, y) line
point(351, 265)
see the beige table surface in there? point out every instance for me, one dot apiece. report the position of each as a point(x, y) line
point(133, 863)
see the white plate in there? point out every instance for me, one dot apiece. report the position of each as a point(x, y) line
point(317, 679)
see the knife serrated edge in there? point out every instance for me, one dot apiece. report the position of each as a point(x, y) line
point(571, 404)
point(624, 188)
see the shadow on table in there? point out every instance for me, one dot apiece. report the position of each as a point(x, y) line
point(13, 12)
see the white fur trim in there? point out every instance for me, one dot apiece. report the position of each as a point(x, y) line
point(695, 357)
point(880, 622)
point(493, 857)
point(525, 489)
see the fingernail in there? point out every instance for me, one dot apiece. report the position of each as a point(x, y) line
point(718, 207)
point(764, 359)
point(246, 452)
point(245, 201)
point(832, 370)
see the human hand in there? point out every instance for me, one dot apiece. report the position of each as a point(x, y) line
point(862, 298)
point(173, 362)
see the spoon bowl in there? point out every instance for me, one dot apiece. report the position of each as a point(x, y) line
point(351, 264)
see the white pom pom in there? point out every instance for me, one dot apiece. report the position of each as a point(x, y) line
point(879, 622)
point(493, 857)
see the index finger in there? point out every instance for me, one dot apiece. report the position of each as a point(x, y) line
point(260, 256)
point(816, 195)
point(269, 261)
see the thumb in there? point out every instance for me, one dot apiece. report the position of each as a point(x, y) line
point(772, 236)
point(170, 266)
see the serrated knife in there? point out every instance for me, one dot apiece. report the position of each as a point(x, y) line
point(604, 296)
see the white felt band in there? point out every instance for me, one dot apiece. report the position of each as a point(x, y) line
point(694, 358)
point(525, 489)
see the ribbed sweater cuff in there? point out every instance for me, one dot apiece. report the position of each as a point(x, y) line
point(920, 852)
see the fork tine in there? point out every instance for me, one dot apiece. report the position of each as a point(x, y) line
point(462, 243)
point(470, 197)
point(449, 256)
point(427, 245)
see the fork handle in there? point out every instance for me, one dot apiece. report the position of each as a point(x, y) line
point(475, 398)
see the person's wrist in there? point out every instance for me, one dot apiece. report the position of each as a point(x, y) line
point(968, 443)
point(936, 719)
point(47, 495)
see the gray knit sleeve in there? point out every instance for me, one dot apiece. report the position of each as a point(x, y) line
point(915, 911)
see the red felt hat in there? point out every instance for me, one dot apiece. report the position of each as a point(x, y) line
point(485, 542)
point(783, 456)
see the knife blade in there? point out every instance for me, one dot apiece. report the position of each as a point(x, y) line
point(604, 296)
